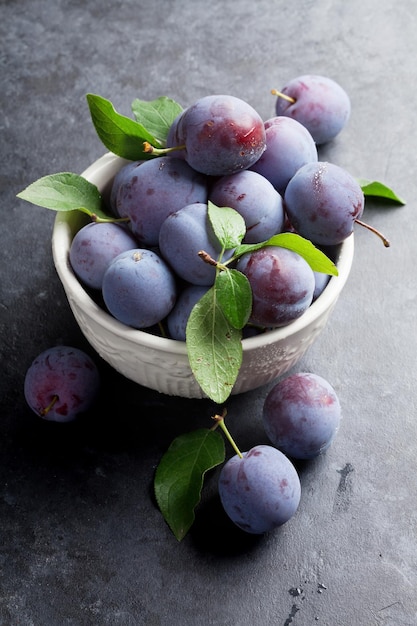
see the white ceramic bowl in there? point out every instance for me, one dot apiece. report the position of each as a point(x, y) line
point(162, 364)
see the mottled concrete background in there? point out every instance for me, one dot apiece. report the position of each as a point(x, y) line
point(82, 541)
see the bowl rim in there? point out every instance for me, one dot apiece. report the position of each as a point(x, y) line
point(61, 241)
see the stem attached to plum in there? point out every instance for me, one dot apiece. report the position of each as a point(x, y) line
point(219, 419)
point(150, 149)
point(46, 410)
point(210, 261)
point(114, 220)
point(207, 258)
point(275, 92)
point(375, 231)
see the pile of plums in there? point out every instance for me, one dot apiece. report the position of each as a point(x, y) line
point(219, 150)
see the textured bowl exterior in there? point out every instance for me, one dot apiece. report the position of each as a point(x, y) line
point(162, 364)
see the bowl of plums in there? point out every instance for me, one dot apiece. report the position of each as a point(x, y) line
point(216, 246)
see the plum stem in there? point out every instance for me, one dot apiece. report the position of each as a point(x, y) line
point(115, 220)
point(219, 419)
point(275, 92)
point(375, 231)
point(46, 410)
point(207, 258)
point(210, 261)
point(150, 149)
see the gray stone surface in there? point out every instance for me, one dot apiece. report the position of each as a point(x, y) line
point(82, 541)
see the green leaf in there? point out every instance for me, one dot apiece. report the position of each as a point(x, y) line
point(64, 192)
point(180, 473)
point(234, 295)
point(121, 135)
point(379, 190)
point(318, 261)
point(228, 225)
point(214, 348)
point(156, 115)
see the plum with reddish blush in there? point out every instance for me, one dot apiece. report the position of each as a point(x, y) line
point(282, 284)
point(301, 415)
point(218, 135)
point(61, 383)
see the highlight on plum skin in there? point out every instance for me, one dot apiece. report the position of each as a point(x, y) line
point(301, 415)
point(260, 491)
point(61, 383)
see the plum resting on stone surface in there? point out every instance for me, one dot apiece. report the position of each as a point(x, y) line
point(282, 284)
point(219, 135)
point(260, 491)
point(320, 104)
point(301, 415)
point(322, 202)
point(61, 383)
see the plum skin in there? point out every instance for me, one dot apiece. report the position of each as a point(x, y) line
point(301, 415)
point(63, 378)
point(260, 491)
point(183, 234)
point(255, 198)
point(282, 285)
point(321, 105)
point(123, 176)
point(153, 190)
point(139, 289)
point(289, 146)
point(321, 282)
point(322, 202)
point(93, 248)
point(222, 135)
point(178, 317)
